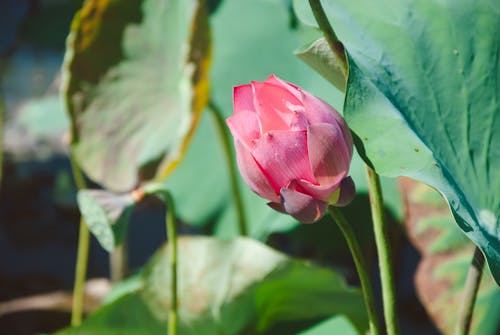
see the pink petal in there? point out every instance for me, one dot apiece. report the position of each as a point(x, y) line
point(245, 127)
point(293, 89)
point(347, 192)
point(275, 106)
point(318, 111)
point(329, 155)
point(282, 155)
point(252, 173)
point(301, 206)
point(321, 192)
point(277, 207)
point(243, 98)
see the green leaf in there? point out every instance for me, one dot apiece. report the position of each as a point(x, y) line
point(106, 214)
point(228, 287)
point(446, 256)
point(200, 191)
point(335, 325)
point(127, 315)
point(319, 56)
point(135, 82)
point(423, 98)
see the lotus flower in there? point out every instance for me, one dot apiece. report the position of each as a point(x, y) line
point(292, 148)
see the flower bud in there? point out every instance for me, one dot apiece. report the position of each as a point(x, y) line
point(292, 148)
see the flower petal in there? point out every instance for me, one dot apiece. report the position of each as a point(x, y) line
point(329, 155)
point(301, 206)
point(243, 98)
point(282, 155)
point(321, 192)
point(275, 106)
point(245, 127)
point(277, 207)
point(252, 173)
point(347, 192)
point(318, 111)
point(293, 89)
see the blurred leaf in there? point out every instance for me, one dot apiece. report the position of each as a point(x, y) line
point(335, 325)
point(200, 191)
point(320, 57)
point(446, 255)
point(128, 285)
point(228, 287)
point(106, 214)
point(127, 315)
point(135, 83)
point(426, 73)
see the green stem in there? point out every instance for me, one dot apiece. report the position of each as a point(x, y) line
point(172, 239)
point(470, 292)
point(233, 174)
point(118, 262)
point(82, 253)
point(382, 241)
point(360, 263)
point(330, 36)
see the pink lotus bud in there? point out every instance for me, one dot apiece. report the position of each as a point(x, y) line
point(292, 148)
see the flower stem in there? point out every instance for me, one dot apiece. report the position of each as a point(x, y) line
point(233, 174)
point(82, 252)
point(172, 241)
point(470, 292)
point(360, 263)
point(383, 244)
point(330, 36)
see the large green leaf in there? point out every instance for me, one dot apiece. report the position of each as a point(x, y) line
point(227, 287)
point(135, 81)
point(446, 255)
point(423, 97)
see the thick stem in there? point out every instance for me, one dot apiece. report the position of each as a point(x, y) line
point(360, 263)
point(82, 253)
point(172, 242)
point(470, 292)
point(383, 244)
point(233, 173)
point(330, 36)
point(118, 261)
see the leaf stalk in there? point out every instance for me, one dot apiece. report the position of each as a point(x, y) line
point(360, 263)
point(470, 293)
point(225, 139)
